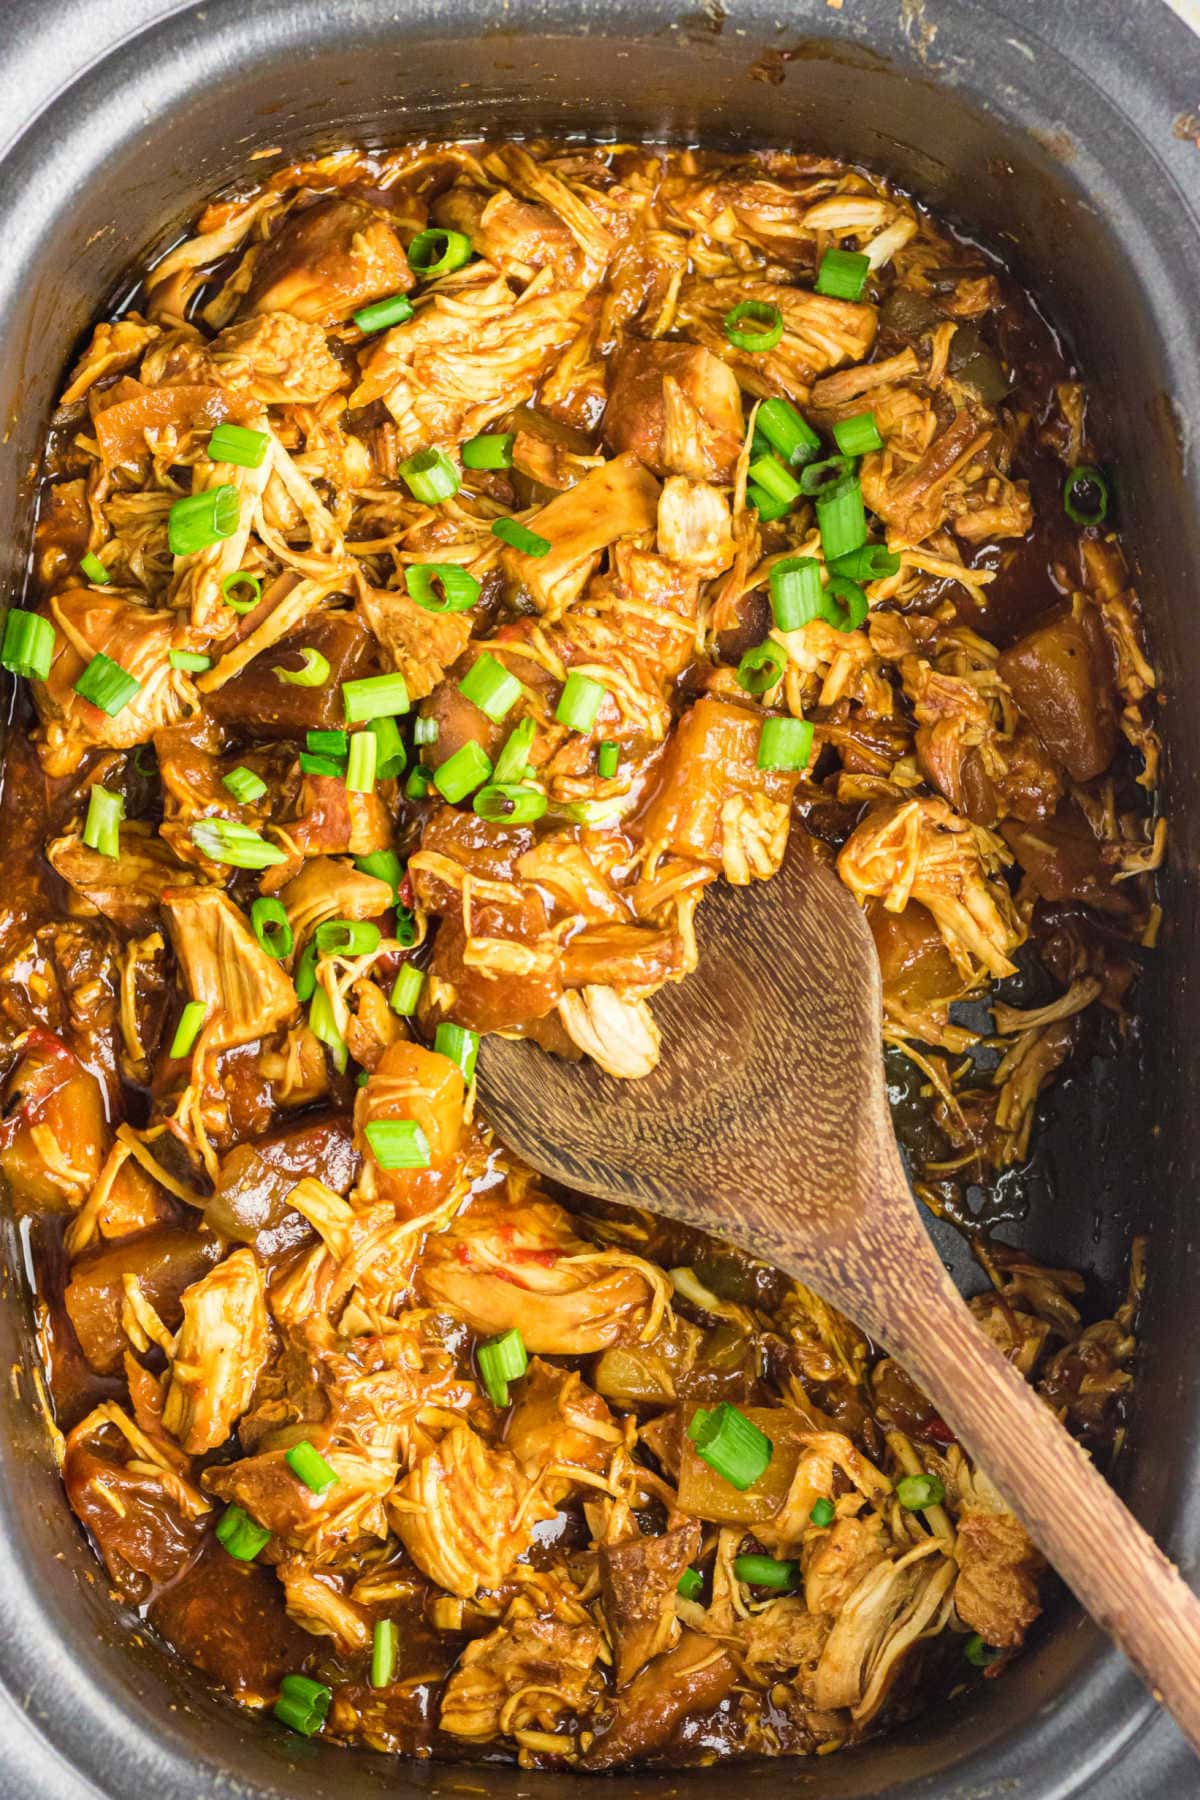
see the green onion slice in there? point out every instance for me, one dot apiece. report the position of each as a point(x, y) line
point(390, 754)
point(244, 784)
point(347, 937)
point(360, 764)
point(375, 697)
point(787, 431)
point(252, 586)
point(332, 766)
point(239, 444)
point(199, 520)
point(395, 310)
point(241, 1535)
point(463, 772)
point(765, 1571)
point(858, 435)
point(303, 1705)
point(768, 506)
point(579, 702)
point(425, 730)
point(489, 686)
point(870, 562)
point(192, 660)
point(398, 1143)
point(608, 759)
point(102, 828)
point(314, 670)
point(843, 603)
point(491, 450)
point(511, 766)
point(769, 475)
point(1085, 495)
point(28, 646)
point(916, 1492)
point(384, 1645)
point(309, 1466)
point(322, 1022)
point(979, 1654)
point(430, 476)
point(501, 1360)
point(823, 1513)
point(843, 274)
point(841, 518)
point(226, 841)
point(785, 744)
point(762, 667)
point(731, 1444)
point(436, 252)
point(272, 927)
point(419, 783)
point(441, 587)
point(405, 928)
point(305, 978)
point(384, 865)
point(505, 804)
point(460, 1045)
point(690, 1584)
point(765, 328)
point(95, 570)
point(795, 588)
point(406, 990)
point(327, 743)
point(191, 1020)
point(519, 537)
point(821, 475)
point(107, 685)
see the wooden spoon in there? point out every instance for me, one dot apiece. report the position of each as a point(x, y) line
point(766, 1122)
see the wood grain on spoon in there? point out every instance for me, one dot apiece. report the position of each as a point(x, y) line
point(766, 1122)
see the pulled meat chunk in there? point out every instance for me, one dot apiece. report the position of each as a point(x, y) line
point(678, 408)
point(245, 992)
point(327, 261)
point(219, 1354)
point(638, 1581)
point(714, 803)
point(465, 1513)
point(521, 1676)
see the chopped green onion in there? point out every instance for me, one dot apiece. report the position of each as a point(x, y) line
point(240, 445)
point(425, 730)
point(608, 759)
point(310, 1467)
point(419, 783)
point(323, 1024)
point(459, 1044)
point(768, 506)
point(322, 765)
point(441, 587)
point(102, 828)
point(362, 1078)
point(511, 764)
point(1085, 495)
point(241, 578)
point(28, 647)
point(463, 772)
point(244, 784)
point(305, 978)
point(731, 1444)
point(383, 1653)
point(303, 1705)
point(240, 1534)
point(787, 431)
point(501, 1360)
point(398, 1143)
point(579, 702)
point(843, 274)
point(841, 519)
point(858, 435)
point(916, 1492)
point(785, 744)
point(327, 743)
point(390, 754)
point(843, 603)
point(436, 252)
point(509, 804)
point(762, 314)
point(107, 685)
point(769, 474)
point(225, 841)
point(191, 1020)
point(405, 929)
point(360, 765)
point(765, 1571)
point(313, 673)
point(489, 686)
point(347, 937)
point(384, 865)
point(272, 927)
point(762, 667)
point(406, 990)
point(430, 476)
point(95, 570)
point(690, 1585)
point(519, 537)
point(193, 660)
point(375, 697)
point(870, 562)
point(821, 475)
point(492, 450)
point(795, 587)
point(395, 310)
point(199, 520)
point(823, 1513)
point(979, 1654)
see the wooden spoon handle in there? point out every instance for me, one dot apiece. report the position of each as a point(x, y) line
point(1114, 1568)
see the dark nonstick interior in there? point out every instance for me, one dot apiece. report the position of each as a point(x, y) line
point(1050, 132)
